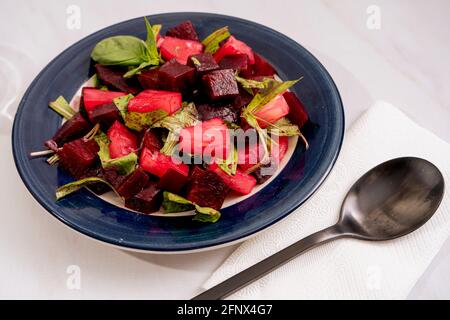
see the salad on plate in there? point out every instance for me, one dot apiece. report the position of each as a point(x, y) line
point(176, 124)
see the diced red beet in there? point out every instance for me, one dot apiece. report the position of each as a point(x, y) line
point(75, 127)
point(273, 111)
point(172, 181)
point(225, 112)
point(149, 79)
point(203, 63)
point(250, 156)
point(152, 141)
point(233, 46)
point(242, 100)
point(208, 138)
point(112, 175)
point(236, 62)
point(262, 68)
point(297, 111)
point(134, 183)
point(175, 76)
point(263, 173)
point(195, 170)
point(105, 114)
point(93, 97)
point(207, 189)
point(157, 163)
point(122, 140)
point(240, 182)
point(151, 100)
point(179, 49)
point(185, 30)
point(78, 155)
point(95, 171)
point(220, 84)
point(114, 78)
point(147, 201)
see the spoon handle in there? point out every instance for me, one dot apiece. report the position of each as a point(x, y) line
point(267, 265)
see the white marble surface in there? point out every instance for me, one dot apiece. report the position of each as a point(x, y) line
point(406, 62)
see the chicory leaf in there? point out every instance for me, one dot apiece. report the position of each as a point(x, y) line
point(212, 42)
point(122, 104)
point(139, 120)
point(175, 203)
point(62, 107)
point(72, 187)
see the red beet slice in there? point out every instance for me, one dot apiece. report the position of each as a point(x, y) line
point(147, 201)
point(240, 182)
point(157, 163)
point(207, 189)
point(273, 111)
point(134, 183)
point(152, 141)
point(93, 97)
point(105, 114)
point(74, 128)
point(78, 155)
point(114, 78)
point(203, 63)
point(262, 68)
point(179, 49)
point(242, 100)
point(149, 79)
point(233, 46)
point(225, 112)
point(151, 100)
point(122, 140)
point(185, 30)
point(297, 112)
point(236, 62)
point(175, 76)
point(172, 181)
point(220, 84)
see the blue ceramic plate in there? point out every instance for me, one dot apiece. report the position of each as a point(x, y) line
point(92, 216)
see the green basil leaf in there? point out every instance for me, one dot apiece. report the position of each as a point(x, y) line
point(125, 165)
point(72, 187)
point(120, 51)
point(174, 203)
point(62, 107)
point(138, 120)
point(152, 50)
point(212, 42)
point(122, 104)
point(138, 69)
point(253, 84)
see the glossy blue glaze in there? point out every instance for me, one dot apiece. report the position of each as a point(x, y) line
point(86, 213)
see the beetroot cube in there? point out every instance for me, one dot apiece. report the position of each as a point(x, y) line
point(134, 184)
point(105, 114)
point(147, 201)
point(226, 112)
point(176, 77)
point(75, 127)
point(207, 189)
point(172, 181)
point(221, 84)
point(240, 182)
point(149, 79)
point(297, 112)
point(152, 141)
point(263, 173)
point(77, 156)
point(113, 177)
point(236, 62)
point(114, 78)
point(185, 30)
point(203, 63)
point(242, 100)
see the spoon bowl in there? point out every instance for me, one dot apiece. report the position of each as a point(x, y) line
point(393, 199)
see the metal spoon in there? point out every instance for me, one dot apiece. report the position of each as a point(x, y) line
point(391, 200)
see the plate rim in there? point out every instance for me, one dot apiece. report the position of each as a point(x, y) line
point(200, 248)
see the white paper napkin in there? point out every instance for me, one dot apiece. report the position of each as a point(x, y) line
point(348, 268)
